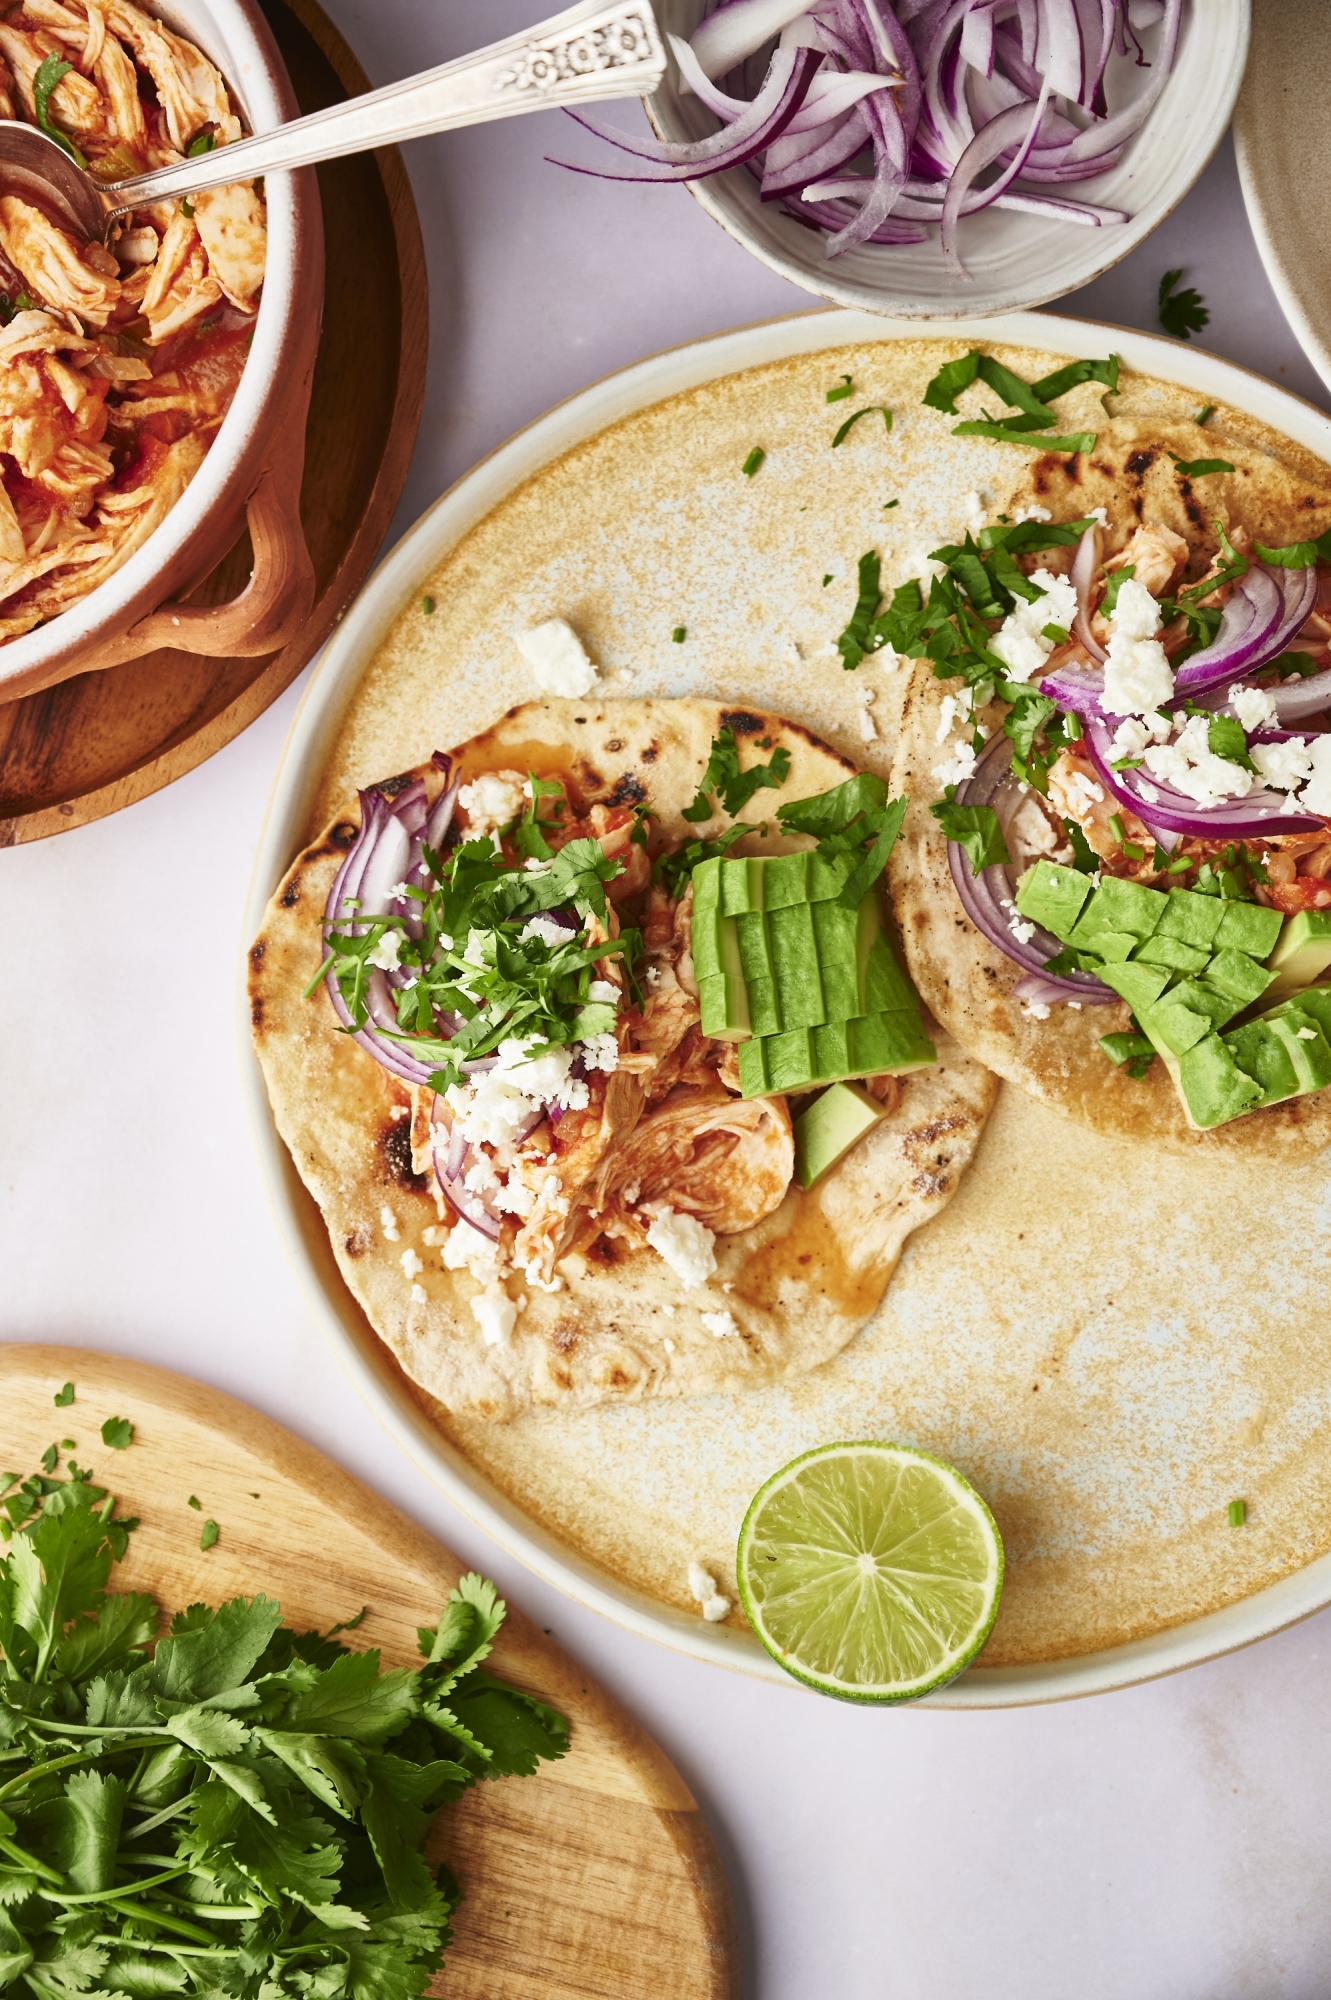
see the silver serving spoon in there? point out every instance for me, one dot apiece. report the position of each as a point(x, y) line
point(590, 51)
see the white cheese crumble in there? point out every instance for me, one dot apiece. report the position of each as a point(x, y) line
point(600, 1052)
point(1254, 707)
point(1037, 1010)
point(868, 727)
point(1032, 830)
point(669, 1346)
point(388, 1223)
point(1033, 514)
point(1020, 642)
point(959, 767)
point(469, 1249)
point(686, 1246)
point(546, 930)
point(418, 1295)
point(384, 951)
point(515, 1198)
point(498, 1104)
point(411, 1263)
point(1132, 736)
point(1022, 931)
point(715, 1609)
point(558, 659)
point(604, 992)
point(1316, 794)
point(1283, 765)
point(1084, 792)
point(1138, 676)
point(492, 800)
point(976, 510)
point(495, 1314)
point(701, 1582)
point(719, 1324)
point(1306, 1034)
point(1192, 767)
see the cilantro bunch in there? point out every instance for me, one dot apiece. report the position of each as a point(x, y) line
point(241, 1811)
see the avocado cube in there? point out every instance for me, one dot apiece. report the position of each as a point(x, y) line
point(883, 1043)
point(1247, 927)
point(785, 881)
point(1213, 1088)
point(753, 1068)
point(836, 936)
point(795, 961)
point(742, 884)
point(1262, 1055)
point(1120, 906)
point(1173, 1028)
point(1303, 952)
point(1052, 896)
point(1191, 918)
point(1109, 948)
point(1172, 953)
point(1140, 985)
point(829, 1127)
point(1205, 999)
point(724, 1005)
point(829, 874)
point(1306, 1046)
point(706, 880)
point(790, 1064)
point(1239, 977)
point(755, 955)
point(1314, 1001)
point(831, 1050)
point(708, 924)
point(764, 1008)
point(884, 987)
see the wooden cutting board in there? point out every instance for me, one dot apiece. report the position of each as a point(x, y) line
point(597, 1877)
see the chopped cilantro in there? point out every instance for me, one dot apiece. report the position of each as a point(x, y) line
point(869, 410)
point(64, 1397)
point(1298, 555)
point(854, 641)
point(1032, 401)
point(1206, 410)
point(1238, 1513)
point(1225, 738)
point(45, 80)
point(843, 820)
point(1084, 857)
point(1011, 434)
point(753, 461)
point(1117, 579)
point(427, 606)
point(827, 579)
point(198, 147)
point(1135, 1053)
point(1181, 313)
point(679, 635)
point(1302, 665)
point(976, 831)
point(196, 1503)
point(734, 787)
point(1197, 468)
point(1050, 387)
point(208, 1538)
point(117, 1432)
point(1116, 827)
point(49, 1457)
point(839, 395)
point(675, 869)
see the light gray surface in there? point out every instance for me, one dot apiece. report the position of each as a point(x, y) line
point(1170, 1843)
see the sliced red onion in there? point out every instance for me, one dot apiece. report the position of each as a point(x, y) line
point(452, 1159)
point(1296, 699)
point(1079, 689)
point(788, 81)
point(983, 896)
point(1265, 609)
point(1001, 132)
point(1085, 564)
point(1159, 805)
point(739, 28)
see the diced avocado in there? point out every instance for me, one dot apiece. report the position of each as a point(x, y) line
point(884, 987)
point(753, 1068)
point(1306, 1046)
point(831, 1050)
point(794, 949)
point(1140, 985)
point(1120, 906)
point(1303, 952)
point(1247, 927)
point(836, 941)
point(785, 881)
point(1315, 1001)
point(829, 1127)
point(1173, 1028)
point(829, 874)
point(764, 1007)
point(1213, 1088)
point(790, 1063)
point(1260, 1054)
point(882, 1044)
point(1109, 948)
point(1191, 918)
point(1203, 998)
point(1172, 953)
point(1052, 896)
point(724, 1004)
point(1239, 977)
point(755, 955)
point(706, 880)
point(709, 925)
point(742, 884)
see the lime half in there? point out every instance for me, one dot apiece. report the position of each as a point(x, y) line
point(870, 1571)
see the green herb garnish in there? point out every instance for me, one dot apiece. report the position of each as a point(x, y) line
point(724, 779)
point(869, 410)
point(117, 1432)
point(678, 635)
point(675, 869)
point(853, 643)
point(1238, 1513)
point(64, 1397)
point(196, 148)
point(45, 80)
point(844, 820)
point(1115, 583)
point(1033, 427)
point(839, 395)
point(976, 831)
point(427, 606)
point(1200, 416)
point(753, 461)
point(208, 1538)
point(195, 1502)
point(890, 503)
point(1197, 468)
point(1225, 738)
point(1135, 1053)
point(1181, 313)
point(1298, 555)
point(240, 1811)
point(1011, 434)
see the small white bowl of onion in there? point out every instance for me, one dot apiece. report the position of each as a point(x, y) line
point(1007, 152)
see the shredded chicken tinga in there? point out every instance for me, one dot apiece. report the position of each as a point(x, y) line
point(117, 364)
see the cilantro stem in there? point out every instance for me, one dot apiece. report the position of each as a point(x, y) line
point(321, 974)
point(102, 1729)
point(23, 1859)
point(149, 1914)
point(118, 1895)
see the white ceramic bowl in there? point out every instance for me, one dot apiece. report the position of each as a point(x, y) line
point(1013, 260)
point(273, 387)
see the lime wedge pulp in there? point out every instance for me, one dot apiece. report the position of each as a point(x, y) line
point(870, 1571)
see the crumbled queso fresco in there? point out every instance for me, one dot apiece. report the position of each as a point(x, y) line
point(494, 799)
point(702, 1584)
point(686, 1245)
point(558, 659)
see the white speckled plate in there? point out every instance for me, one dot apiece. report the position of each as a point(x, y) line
point(1282, 103)
point(1111, 1342)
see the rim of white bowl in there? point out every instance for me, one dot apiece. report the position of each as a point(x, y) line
point(363, 1356)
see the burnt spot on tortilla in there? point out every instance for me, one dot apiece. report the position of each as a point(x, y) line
point(1072, 469)
point(579, 719)
point(256, 1012)
point(740, 722)
point(390, 787)
point(395, 1145)
point(629, 790)
point(651, 753)
point(617, 1379)
point(602, 1251)
point(342, 836)
point(565, 1335)
point(1192, 506)
point(1097, 465)
point(358, 1240)
point(256, 954)
point(1139, 463)
point(291, 894)
point(796, 731)
point(615, 745)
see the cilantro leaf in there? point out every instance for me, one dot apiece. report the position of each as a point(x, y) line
point(1197, 468)
point(845, 389)
point(853, 643)
point(212, 1655)
point(976, 831)
point(674, 869)
point(1298, 555)
point(1010, 433)
point(1050, 387)
point(1027, 717)
point(724, 778)
point(1117, 579)
point(465, 1633)
point(117, 1433)
point(1084, 857)
point(45, 80)
point(951, 379)
point(1181, 313)
point(352, 1698)
point(64, 1397)
point(869, 410)
point(1225, 738)
point(515, 1728)
point(832, 811)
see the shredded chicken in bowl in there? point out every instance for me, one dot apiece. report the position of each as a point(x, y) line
point(117, 364)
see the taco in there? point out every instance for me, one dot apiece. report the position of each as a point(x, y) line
point(1114, 880)
point(573, 1142)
